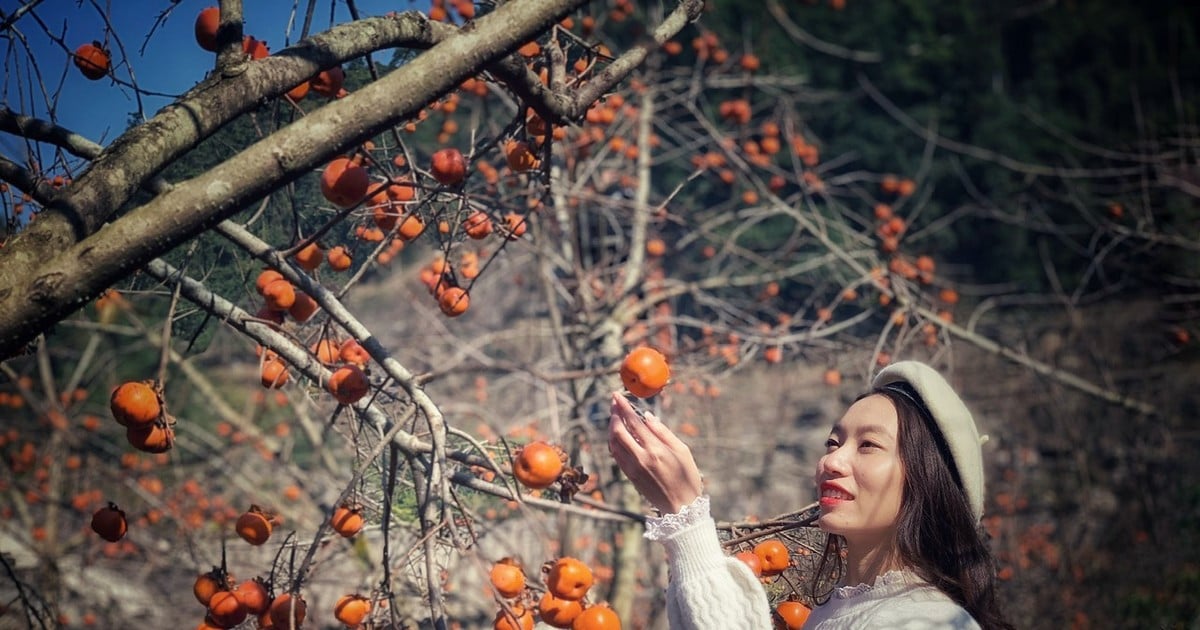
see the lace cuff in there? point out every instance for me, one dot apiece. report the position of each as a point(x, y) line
point(670, 524)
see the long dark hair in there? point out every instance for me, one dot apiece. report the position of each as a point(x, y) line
point(937, 536)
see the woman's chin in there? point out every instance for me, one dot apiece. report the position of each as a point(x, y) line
point(828, 524)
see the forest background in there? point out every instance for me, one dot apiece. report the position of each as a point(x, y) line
point(782, 198)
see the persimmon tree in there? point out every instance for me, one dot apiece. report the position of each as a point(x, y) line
point(102, 213)
point(432, 269)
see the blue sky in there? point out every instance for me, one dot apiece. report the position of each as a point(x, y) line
point(167, 61)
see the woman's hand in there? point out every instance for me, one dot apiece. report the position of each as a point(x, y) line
point(660, 466)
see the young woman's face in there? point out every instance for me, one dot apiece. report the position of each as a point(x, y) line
point(861, 478)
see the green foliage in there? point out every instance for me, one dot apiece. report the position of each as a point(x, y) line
point(1017, 84)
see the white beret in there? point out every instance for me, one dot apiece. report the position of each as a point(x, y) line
point(951, 416)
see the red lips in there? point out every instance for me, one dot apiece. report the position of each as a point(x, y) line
point(832, 494)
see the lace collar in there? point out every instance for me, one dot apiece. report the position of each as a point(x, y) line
point(890, 581)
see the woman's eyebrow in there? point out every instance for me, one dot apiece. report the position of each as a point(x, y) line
point(874, 428)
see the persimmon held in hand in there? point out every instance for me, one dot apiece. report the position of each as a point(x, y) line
point(538, 465)
point(644, 372)
point(569, 578)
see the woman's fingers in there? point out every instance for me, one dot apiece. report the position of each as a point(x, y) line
point(664, 434)
point(660, 466)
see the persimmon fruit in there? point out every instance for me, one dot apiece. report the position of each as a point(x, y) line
point(558, 612)
point(155, 438)
point(645, 372)
point(303, 308)
point(207, 23)
point(794, 614)
point(523, 619)
point(274, 373)
point(538, 465)
point(349, 384)
point(255, 48)
point(254, 526)
point(347, 521)
point(454, 301)
point(507, 578)
point(208, 584)
point(328, 83)
point(92, 60)
point(751, 560)
point(477, 225)
point(569, 578)
point(353, 352)
point(280, 295)
point(109, 522)
point(287, 608)
point(597, 617)
point(135, 404)
point(310, 256)
point(344, 183)
point(225, 610)
point(352, 609)
point(448, 166)
point(774, 556)
point(267, 276)
point(253, 595)
point(339, 258)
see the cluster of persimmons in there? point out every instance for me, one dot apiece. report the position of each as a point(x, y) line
point(389, 199)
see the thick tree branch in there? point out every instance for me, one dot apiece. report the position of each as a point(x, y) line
point(33, 302)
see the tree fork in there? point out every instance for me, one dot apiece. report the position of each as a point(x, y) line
point(89, 263)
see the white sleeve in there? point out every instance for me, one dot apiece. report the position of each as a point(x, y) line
point(707, 589)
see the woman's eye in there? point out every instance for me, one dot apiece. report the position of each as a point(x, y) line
point(830, 444)
point(868, 445)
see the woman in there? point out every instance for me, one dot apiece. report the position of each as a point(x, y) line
point(901, 493)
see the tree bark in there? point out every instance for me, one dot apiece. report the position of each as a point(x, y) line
point(69, 254)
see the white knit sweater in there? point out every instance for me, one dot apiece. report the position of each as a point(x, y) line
point(706, 589)
point(709, 590)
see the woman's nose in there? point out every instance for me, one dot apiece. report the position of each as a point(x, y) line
point(833, 462)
